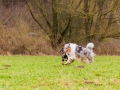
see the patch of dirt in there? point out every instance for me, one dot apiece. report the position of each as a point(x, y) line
point(5, 68)
point(79, 67)
point(6, 65)
point(115, 81)
point(92, 82)
point(89, 82)
point(56, 66)
point(98, 84)
point(1, 69)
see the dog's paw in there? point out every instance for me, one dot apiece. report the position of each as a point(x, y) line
point(66, 63)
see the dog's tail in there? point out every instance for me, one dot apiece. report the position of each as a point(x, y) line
point(90, 46)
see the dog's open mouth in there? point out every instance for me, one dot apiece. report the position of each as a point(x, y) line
point(62, 52)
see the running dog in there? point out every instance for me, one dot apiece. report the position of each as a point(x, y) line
point(74, 51)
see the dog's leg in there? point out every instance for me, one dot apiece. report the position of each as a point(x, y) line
point(62, 61)
point(68, 61)
point(91, 59)
point(86, 60)
point(83, 60)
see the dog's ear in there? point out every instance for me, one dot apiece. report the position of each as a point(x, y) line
point(69, 45)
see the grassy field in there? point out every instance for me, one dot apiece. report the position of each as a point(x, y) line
point(47, 73)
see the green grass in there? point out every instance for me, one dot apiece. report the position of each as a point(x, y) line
point(47, 73)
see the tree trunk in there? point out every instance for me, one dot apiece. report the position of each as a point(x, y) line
point(109, 23)
point(98, 20)
point(87, 21)
point(55, 25)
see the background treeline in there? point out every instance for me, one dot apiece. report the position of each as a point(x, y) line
point(36, 27)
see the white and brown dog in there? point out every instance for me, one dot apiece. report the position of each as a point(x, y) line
point(74, 51)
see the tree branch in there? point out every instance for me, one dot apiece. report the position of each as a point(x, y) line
point(116, 35)
point(41, 10)
point(30, 9)
point(78, 4)
point(64, 31)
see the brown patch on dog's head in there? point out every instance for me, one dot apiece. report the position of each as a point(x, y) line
point(67, 49)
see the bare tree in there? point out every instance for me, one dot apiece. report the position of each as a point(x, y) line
point(100, 18)
point(51, 19)
point(111, 20)
point(87, 20)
